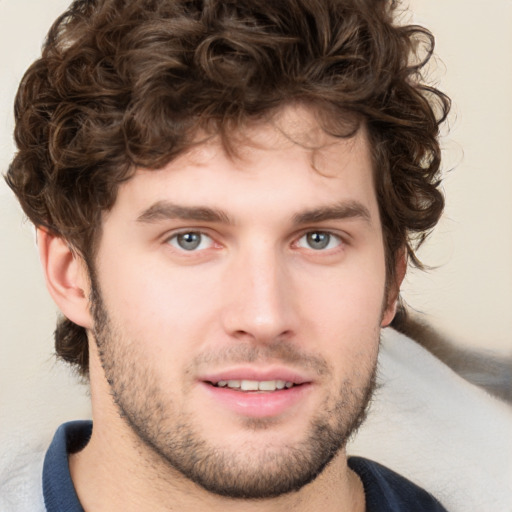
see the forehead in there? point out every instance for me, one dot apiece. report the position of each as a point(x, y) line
point(289, 128)
point(288, 160)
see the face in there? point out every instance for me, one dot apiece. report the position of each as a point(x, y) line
point(238, 304)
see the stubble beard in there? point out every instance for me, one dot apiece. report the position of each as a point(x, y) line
point(172, 438)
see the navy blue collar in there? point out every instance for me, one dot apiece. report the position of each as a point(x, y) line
point(58, 490)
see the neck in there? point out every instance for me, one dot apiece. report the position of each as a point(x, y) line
point(115, 473)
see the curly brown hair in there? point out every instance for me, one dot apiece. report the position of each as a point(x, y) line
point(123, 84)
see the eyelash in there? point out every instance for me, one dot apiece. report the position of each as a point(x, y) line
point(338, 239)
point(331, 237)
point(176, 236)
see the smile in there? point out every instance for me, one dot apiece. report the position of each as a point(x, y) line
point(257, 398)
point(254, 385)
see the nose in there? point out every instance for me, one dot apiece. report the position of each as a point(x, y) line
point(259, 305)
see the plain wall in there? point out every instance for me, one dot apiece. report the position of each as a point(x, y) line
point(468, 297)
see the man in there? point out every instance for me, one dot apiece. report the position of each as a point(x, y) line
point(225, 196)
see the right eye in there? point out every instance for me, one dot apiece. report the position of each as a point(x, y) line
point(190, 241)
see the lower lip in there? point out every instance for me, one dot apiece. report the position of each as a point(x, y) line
point(256, 404)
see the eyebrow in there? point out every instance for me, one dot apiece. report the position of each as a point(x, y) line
point(343, 210)
point(165, 210)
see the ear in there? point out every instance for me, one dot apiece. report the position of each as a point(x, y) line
point(394, 289)
point(66, 277)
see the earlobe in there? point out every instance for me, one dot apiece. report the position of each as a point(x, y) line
point(394, 289)
point(389, 313)
point(66, 277)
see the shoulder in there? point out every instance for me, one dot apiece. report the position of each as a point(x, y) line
point(21, 480)
point(35, 474)
point(387, 491)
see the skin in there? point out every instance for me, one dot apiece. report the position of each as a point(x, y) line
point(258, 295)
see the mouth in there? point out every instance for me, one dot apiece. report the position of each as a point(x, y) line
point(256, 393)
point(251, 386)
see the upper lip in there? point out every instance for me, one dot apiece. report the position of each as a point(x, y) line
point(257, 374)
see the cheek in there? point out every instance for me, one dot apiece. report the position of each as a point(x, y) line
point(156, 305)
point(345, 311)
point(351, 298)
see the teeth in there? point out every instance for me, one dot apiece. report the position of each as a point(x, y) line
point(255, 385)
point(249, 385)
point(267, 385)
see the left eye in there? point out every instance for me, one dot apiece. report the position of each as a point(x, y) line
point(190, 241)
point(319, 241)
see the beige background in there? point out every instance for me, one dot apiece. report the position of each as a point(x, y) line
point(469, 297)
